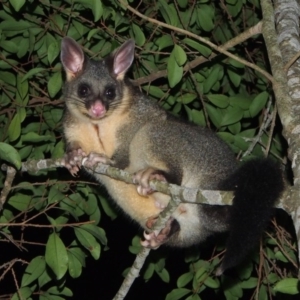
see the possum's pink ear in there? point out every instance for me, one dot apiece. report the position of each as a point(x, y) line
point(72, 57)
point(123, 59)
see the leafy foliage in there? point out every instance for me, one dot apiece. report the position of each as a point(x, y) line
point(185, 75)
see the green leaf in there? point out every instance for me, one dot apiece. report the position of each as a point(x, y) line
point(53, 52)
point(139, 36)
point(245, 272)
point(13, 25)
point(214, 114)
point(202, 48)
point(184, 279)
point(91, 204)
point(69, 206)
point(58, 291)
point(235, 128)
point(88, 241)
point(14, 129)
point(235, 9)
point(250, 283)
point(22, 86)
point(56, 255)
point(234, 77)
point(236, 63)
point(240, 101)
point(92, 33)
point(234, 290)
point(32, 72)
point(180, 55)
point(96, 231)
point(45, 278)
point(47, 296)
point(186, 98)
point(262, 294)
point(168, 12)
point(57, 21)
point(8, 77)
point(219, 100)
point(20, 202)
point(59, 150)
point(164, 275)
point(241, 143)
point(198, 117)
point(212, 78)
point(74, 265)
point(10, 154)
point(175, 72)
point(182, 3)
point(258, 103)
point(200, 272)
point(154, 91)
point(149, 271)
point(160, 264)
point(194, 297)
point(227, 137)
point(17, 4)
point(288, 286)
point(95, 216)
point(55, 195)
point(164, 42)
point(34, 270)
point(77, 252)
point(232, 116)
point(249, 133)
point(21, 111)
point(22, 294)
point(212, 283)
point(205, 17)
point(97, 9)
point(33, 137)
point(178, 293)
point(280, 256)
point(9, 46)
point(54, 84)
point(7, 64)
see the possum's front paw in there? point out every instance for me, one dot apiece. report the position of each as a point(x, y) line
point(156, 238)
point(143, 177)
point(93, 159)
point(72, 160)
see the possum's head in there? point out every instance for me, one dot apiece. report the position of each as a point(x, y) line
point(94, 89)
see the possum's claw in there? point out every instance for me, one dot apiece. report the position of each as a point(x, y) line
point(94, 158)
point(156, 238)
point(143, 177)
point(72, 160)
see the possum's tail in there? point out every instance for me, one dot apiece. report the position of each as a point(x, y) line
point(258, 184)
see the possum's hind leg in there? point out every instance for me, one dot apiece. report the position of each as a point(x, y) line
point(156, 238)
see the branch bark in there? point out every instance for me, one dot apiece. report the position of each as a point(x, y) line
point(283, 44)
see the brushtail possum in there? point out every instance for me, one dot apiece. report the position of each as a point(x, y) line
point(109, 120)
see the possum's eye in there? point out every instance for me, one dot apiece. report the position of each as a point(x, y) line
point(83, 90)
point(110, 93)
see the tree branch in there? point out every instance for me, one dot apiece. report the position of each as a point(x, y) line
point(187, 195)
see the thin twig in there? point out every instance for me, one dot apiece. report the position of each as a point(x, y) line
point(134, 271)
point(271, 130)
point(11, 173)
point(262, 128)
point(219, 49)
